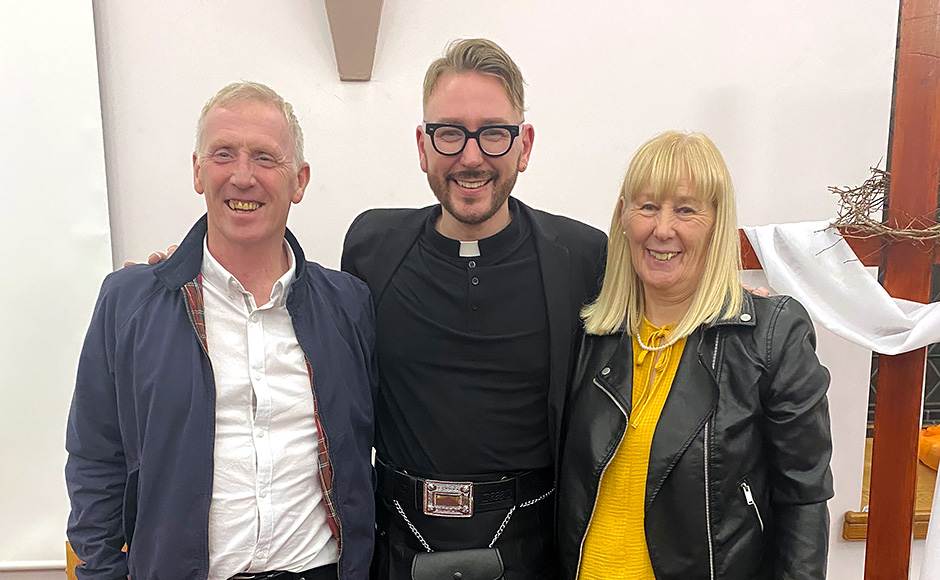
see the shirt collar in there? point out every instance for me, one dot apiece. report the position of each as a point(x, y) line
point(492, 249)
point(215, 274)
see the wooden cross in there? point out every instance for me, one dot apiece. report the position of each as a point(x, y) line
point(914, 163)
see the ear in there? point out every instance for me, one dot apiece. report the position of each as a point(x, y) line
point(303, 178)
point(528, 139)
point(420, 136)
point(197, 182)
point(622, 212)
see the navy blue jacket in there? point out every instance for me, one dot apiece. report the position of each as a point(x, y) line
point(142, 422)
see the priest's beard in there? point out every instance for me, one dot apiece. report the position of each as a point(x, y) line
point(446, 191)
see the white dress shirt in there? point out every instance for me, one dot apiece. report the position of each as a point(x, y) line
point(267, 510)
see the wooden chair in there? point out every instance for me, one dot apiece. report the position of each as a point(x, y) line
point(71, 561)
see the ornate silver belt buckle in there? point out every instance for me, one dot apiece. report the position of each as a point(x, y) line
point(448, 499)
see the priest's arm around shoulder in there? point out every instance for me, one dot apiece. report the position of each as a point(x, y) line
point(221, 424)
point(697, 440)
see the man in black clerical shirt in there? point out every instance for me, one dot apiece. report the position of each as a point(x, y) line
point(477, 302)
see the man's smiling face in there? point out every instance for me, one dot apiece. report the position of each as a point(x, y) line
point(245, 168)
point(473, 187)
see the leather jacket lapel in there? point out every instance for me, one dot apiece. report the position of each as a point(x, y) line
point(616, 377)
point(692, 400)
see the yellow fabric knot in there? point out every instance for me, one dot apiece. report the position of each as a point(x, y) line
point(654, 336)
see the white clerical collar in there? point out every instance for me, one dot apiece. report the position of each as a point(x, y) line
point(469, 249)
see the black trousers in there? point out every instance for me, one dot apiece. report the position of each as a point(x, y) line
point(526, 544)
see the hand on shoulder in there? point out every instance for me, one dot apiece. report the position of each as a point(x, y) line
point(758, 291)
point(154, 257)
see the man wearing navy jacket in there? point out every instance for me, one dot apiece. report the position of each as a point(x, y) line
point(221, 425)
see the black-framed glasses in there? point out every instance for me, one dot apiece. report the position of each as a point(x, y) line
point(493, 140)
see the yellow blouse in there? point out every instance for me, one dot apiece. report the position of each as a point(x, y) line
point(615, 546)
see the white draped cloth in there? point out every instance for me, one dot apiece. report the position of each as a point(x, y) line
point(811, 262)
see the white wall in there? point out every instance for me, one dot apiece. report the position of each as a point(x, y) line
point(55, 247)
point(797, 94)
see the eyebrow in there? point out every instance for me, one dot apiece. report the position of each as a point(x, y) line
point(489, 121)
point(648, 197)
point(691, 198)
point(272, 149)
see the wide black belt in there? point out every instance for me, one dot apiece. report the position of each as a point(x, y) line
point(461, 499)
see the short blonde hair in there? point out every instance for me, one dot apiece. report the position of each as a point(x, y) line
point(252, 91)
point(482, 56)
point(658, 165)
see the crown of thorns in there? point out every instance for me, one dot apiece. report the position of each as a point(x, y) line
point(862, 209)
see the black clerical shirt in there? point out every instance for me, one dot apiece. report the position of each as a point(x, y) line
point(463, 353)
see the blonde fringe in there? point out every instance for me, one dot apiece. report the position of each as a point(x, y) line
point(658, 164)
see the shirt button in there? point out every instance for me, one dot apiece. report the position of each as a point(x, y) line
point(263, 493)
point(474, 308)
point(746, 317)
point(260, 434)
point(472, 264)
point(475, 281)
point(254, 318)
point(605, 371)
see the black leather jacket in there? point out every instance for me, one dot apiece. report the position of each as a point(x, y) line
point(739, 467)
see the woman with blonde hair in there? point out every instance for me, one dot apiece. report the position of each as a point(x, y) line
point(696, 440)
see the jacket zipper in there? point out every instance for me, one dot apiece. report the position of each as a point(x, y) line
point(339, 525)
point(749, 498)
point(603, 471)
point(205, 351)
point(715, 352)
point(708, 514)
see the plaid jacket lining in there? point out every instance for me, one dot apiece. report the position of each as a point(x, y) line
point(195, 306)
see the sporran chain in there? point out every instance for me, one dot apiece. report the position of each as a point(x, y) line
point(499, 532)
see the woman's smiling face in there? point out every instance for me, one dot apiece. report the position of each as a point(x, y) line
point(669, 237)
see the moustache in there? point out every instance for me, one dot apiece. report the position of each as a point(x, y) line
point(473, 175)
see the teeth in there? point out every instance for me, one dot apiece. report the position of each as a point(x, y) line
point(472, 184)
point(663, 256)
point(243, 205)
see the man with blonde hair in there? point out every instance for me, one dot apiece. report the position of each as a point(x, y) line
point(477, 303)
point(197, 434)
